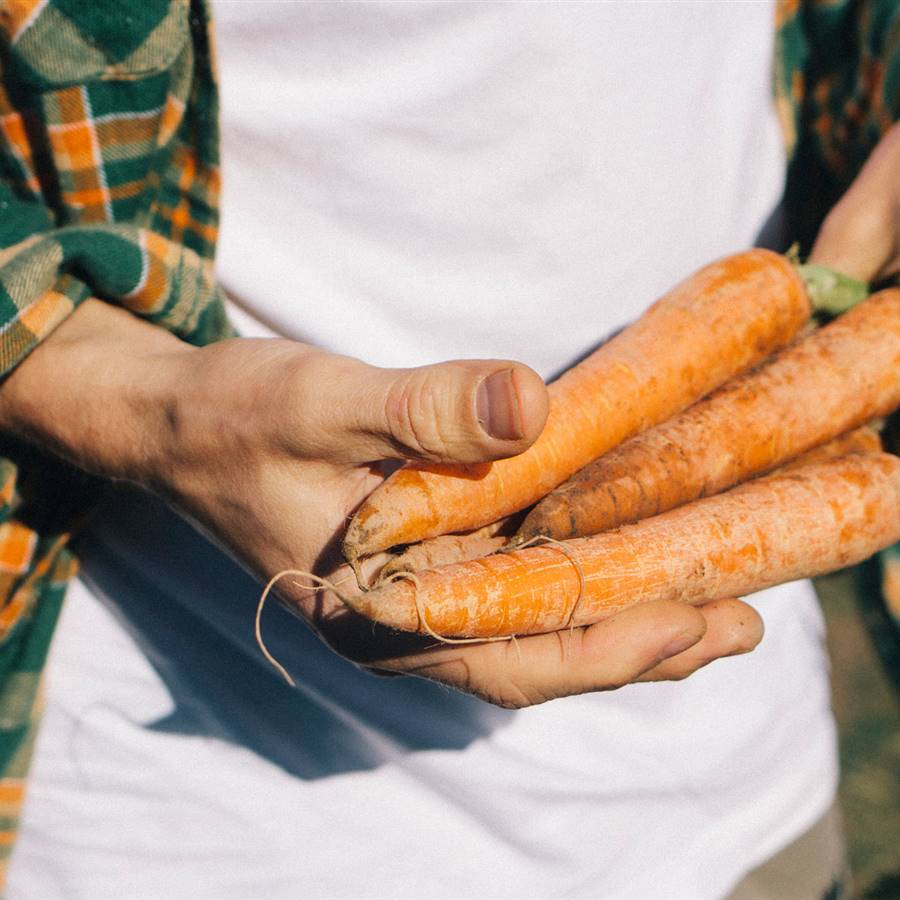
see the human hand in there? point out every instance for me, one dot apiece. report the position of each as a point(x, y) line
point(861, 234)
point(270, 445)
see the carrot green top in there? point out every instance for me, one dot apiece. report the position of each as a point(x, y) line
point(109, 187)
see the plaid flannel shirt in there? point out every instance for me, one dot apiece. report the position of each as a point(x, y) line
point(109, 186)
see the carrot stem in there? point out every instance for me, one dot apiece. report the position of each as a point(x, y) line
point(831, 292)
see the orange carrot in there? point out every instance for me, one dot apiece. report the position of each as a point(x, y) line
point(451, 548)
point(861, 440)
point(720, 321)
point(833, 380)
point(454, 548)
point(785, 526)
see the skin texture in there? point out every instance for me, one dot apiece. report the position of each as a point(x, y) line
point(721, 320)
point(835, 379)
point(803, 522)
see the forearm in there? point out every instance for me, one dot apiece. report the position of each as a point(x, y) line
point(101, 391)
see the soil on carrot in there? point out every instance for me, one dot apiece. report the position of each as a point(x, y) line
point(867, 707)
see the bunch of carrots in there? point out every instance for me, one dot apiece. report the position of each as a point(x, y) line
point(717, 446)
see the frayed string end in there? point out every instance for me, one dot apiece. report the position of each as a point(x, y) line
point(317, 584)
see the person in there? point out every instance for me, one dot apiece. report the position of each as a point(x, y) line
point(269, 444)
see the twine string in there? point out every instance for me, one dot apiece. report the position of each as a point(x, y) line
point(318, 583)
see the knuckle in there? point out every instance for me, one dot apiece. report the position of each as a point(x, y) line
point(301, 382)
point(745, 644)
point(681, 673)
point(614, 681)
point(311, 421)
point(510, 694)
point(414, 416)
point(508, 683)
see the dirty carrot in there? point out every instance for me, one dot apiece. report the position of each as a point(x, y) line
point(451, 548)
point(454, 548)
point(861, 440)
point(833, 380)
point(784, 526)
point(722, 320)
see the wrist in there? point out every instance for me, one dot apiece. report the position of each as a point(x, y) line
point(101, 392)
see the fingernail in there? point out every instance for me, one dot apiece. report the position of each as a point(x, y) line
point(679, 645)
point(497, 406)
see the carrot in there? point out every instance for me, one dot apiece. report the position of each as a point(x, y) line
point(451, 548)
point(833, 380)
point(785, 526)
point(721, 320)
point(861, 440)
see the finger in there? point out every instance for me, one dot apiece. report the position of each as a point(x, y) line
point(732, 628)
point(534, 669)
point(461, 411)
point(860, 234)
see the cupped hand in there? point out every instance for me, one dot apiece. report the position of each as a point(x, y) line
point(281, 442)
point(269, 446)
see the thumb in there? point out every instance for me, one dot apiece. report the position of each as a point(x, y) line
point(462, 411)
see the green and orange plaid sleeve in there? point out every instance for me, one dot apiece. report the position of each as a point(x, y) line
point(837, 90)
point(108, 187)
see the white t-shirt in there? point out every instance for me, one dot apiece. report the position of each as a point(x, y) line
point(412, 182)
